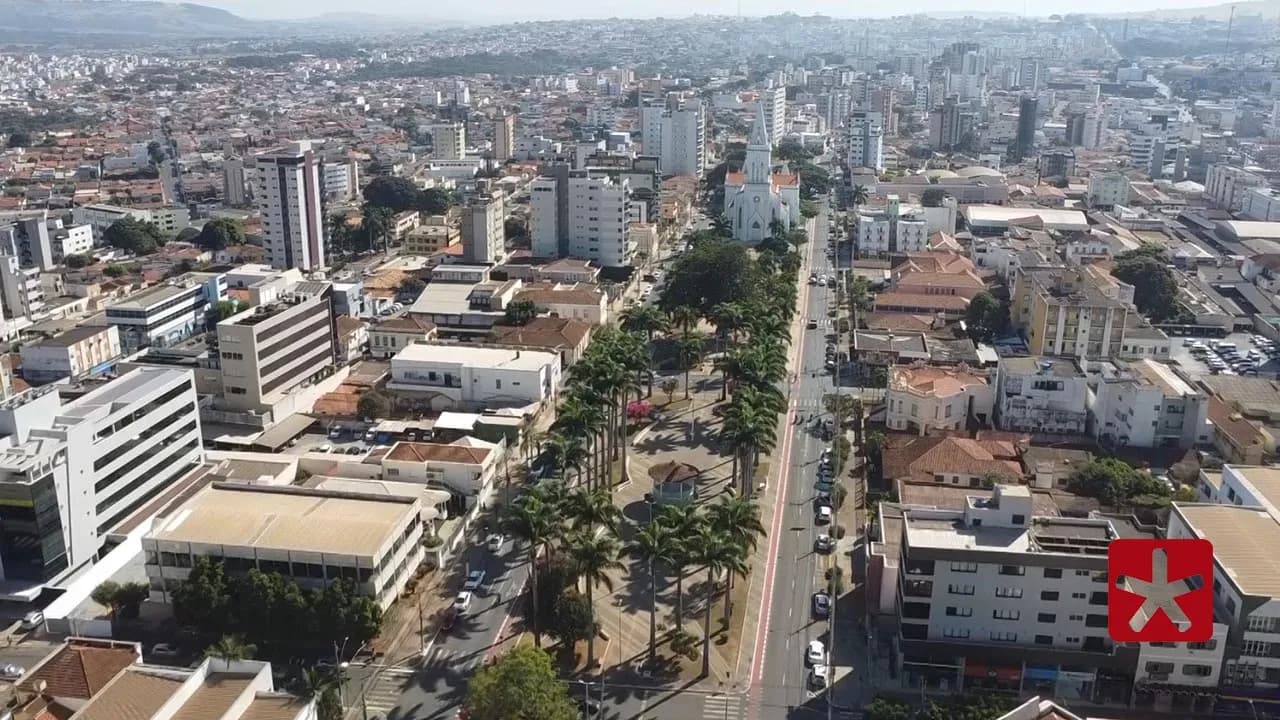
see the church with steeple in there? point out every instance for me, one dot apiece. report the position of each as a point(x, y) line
point(756, 196)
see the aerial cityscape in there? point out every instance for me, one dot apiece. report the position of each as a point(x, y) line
point(763, 363)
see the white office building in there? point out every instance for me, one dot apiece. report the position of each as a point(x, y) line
point(268, 351)
point(288, 190)
point(234, 188)
point(167, 314)
point(484, 230)
point(504, 137)
point(1228, 185)
point(595, 221)
point(1145, 403)
point(471, 377)
point(676, 133)
point(1261, 204)
point(1041, 395)
point(100, 216)
point(72, 473)
point(866, 140)
point(544, 217)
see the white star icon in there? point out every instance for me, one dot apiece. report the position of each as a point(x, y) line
point(1160, 593)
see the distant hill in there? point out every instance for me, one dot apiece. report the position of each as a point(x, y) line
point(1269, 9)
point(120, 17)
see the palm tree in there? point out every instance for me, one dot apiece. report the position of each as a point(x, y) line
point(729, 318)
point(314, 683)
point(720, 226)
point(750, 425)
point(581, 418)
point(684, 317)
point(231, 648)
point(339, 234)
point(533, 521)
point(376, 224)
point(738, 518)
point(859, 195)
point(647, 320)
point(591, 510)
point(654, 543)
point(683, 521)
point(712, 550)
point(690, 348)
point(777, 229)
point(530, 441)
point(592, 558)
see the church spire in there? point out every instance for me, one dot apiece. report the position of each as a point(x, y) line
point(759, 132)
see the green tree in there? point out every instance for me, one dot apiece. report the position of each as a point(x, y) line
point(712, 272)
point(203, 600)
point(434, 201)
point(329, 704)
point(986, 317)
point(219, 233)
point(571, 619)
point(593, 557)
point(515, 227)
point(883, 708)
point(683, 521)
point(224, 309)
point(523, 682)
point(231, 648)
point(373, 405)
point(520, 312)
point(1113, 482)
point(76, 262)
point(394, 193)
point(376, 223)
point(532, 521)
point(859, 195)
point(18, 139)
point(1155, 287)
point(646, 320)
point(690, 346)
point(874, 448)
point(135, 236)
point(411, 287)
point(933, 197)
point(653, 545)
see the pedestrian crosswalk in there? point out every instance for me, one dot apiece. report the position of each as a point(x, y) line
point(722, 707)
point(460, 661)
point(383, 694)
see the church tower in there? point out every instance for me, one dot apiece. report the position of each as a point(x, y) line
point(759, 160)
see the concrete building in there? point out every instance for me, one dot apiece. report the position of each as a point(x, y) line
point(100, 216)
point(234, 188)
point(1024, 144)
point(269, 350)
point(1106, 190)
point(81, 351)
point(470, 377)
point(167, 314)
point(288, 191)
point(895, 228)
point(1146, 403)
point(675, 131)
point(773, 101)
point(922, 397)
point(1087, 128)
point(1261, 204)
point(67, 240)
point(69, 474)
point(312, 536)
point(1030, 74)
point(504, 137)
point(581, 215)
point(340, 180)
point(993, 596)
point(866, 140)
point(1080, 312)
point(21, 292)
point(484, 237)
point(29, 239)
point(757, 197)
point(391, 336)
point(1041, 395)
point(448, 140)
point(945, 127)
point(468, 467)
point(1228, 185)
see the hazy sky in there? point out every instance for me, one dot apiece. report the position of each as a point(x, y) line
point(560, 9)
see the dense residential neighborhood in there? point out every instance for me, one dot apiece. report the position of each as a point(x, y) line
point(748, 367)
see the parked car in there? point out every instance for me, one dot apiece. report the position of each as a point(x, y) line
point(32, 620)
point(823, 543)
point(12, 672)
point(821, 604)
point(818, 677)
point(164, 650)
point(495, 541)
point(815, 654)
point(462, 602)
point(824, 516)
point(475, 579)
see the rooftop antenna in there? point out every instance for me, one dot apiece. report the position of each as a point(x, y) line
point(1231, 20)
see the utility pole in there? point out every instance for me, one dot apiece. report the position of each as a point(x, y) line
point(1231, 21)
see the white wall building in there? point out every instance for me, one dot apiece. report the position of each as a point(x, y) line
point(544, 217)
point(163, 315)
point(866, 140)
point(1262, 204)
point(468, 377)
point(1227, 185)
point(894, 228)
point(598, 220)
point(1107, 190)
point(72, 354)
point(1041, 395)
point(774, 103)
point(234, 188)
point(288, 189)
point(484, 236)
point(683, 145)
point(923, 397)
point(449, 140)
point(1147, 404)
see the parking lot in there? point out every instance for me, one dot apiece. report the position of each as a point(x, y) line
point(1198, 366)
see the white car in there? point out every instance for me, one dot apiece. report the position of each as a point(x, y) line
point(823, 543)
point(12, 672)
point(815, 654)
point(32, 620)
point(462, 602)
point(824, 516)
point(164, 650)
point(475, 579)
point(818, 677)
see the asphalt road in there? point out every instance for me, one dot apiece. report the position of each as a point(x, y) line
point(433, 687)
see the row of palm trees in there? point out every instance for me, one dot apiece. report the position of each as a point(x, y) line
point(584, 527)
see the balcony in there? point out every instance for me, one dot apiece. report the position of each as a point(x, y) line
point(917, 588)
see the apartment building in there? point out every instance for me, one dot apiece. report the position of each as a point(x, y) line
point(234, 188)
point(391, 336)
point(865, 137)
point(21, 293)
point(1145, 403)
point(468, 467)
point(1228, 185)
point(483, 233)
point(84, 350)
point(895, 228)
point(676, 133)
point(1041, 395)
point(1106, 190)
point(166, 314)
point(924, 397)
point(469, 377)
point(288, 189)
point(269, 350)
point(992, 596)
point(1080, 311)
point(312, 536)
point(774, 102)
point(504, 137)
point(72, 472)
point(448, 140)
point(593, 220)
point(435, 234)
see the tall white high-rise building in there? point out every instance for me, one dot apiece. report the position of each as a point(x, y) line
point(288, 191)
point(483, 231)
point(449, 140)
point(774, 103)
point(504, 137)
point(595, 221)
point(233, 187)
point(866, 140)
point(684, 139)
point(1030, 73)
